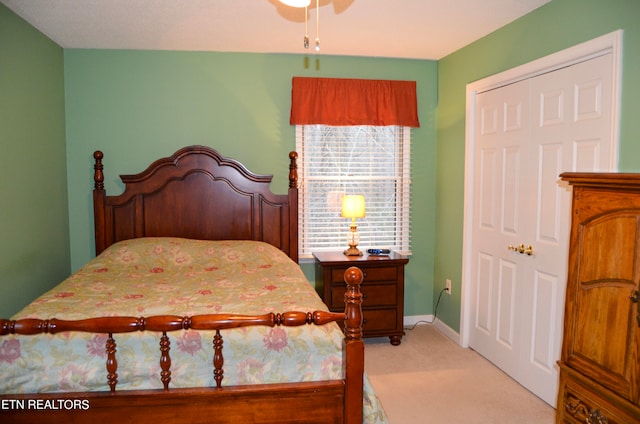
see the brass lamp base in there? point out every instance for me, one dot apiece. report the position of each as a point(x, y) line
point(353, 238)
point(352, 251)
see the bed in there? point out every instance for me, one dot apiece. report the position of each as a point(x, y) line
point(193, 310)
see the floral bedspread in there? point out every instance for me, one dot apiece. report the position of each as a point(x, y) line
point(173, 276)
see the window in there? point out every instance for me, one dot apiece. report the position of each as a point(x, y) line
point(370, 160)
point(353, 136)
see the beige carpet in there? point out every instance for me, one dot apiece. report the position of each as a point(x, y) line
point(430, 379)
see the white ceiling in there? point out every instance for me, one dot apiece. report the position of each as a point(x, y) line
point(420, 29)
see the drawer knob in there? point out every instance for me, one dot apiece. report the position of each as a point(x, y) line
point(581, 412)
point(596, 417)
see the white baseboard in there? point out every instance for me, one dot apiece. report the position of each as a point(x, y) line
point(449, 332)
point(410, 321)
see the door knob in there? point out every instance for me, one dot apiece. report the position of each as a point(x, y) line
point(528, 250)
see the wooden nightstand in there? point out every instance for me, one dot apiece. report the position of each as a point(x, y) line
point(382, 290)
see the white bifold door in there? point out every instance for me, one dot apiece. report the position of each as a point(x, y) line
point(526, 134)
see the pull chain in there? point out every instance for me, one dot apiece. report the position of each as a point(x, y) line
point(306, 27)
point(317, 25)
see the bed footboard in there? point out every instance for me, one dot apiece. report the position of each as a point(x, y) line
point(337, 401)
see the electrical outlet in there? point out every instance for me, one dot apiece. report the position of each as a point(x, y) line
point(448, 286)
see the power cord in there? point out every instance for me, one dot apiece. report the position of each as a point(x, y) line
point(435, 313)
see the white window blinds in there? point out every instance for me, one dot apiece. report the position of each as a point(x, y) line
point(370, 160)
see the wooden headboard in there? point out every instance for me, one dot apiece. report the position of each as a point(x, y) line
point(196, 193)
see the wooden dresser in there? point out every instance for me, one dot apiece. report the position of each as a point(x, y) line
point(600, 361)
point(382, 290)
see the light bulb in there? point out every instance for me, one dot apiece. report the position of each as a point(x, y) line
point(317, 44)
point(296, 3)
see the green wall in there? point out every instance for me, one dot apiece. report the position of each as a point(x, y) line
point(137, 106)
point(34, 251)
point(558, 25)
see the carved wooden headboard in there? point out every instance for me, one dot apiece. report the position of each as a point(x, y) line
point(196, 193)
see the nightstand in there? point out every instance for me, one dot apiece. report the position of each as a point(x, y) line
point(382, 290)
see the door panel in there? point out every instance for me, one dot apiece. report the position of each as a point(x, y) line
point(550, 206)
point(501, 160)
point(483, 296)
point(526, 135)
point(542, 354)
point(488, 189)
point(511, 190)
point(506, 303)
point(573, 136)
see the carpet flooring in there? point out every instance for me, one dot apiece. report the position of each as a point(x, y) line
point(430, 379)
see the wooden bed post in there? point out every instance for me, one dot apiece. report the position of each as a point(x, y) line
point(354, 346)
point(293, 206)
point(98, 202)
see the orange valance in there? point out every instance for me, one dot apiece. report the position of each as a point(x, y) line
point(339, 101)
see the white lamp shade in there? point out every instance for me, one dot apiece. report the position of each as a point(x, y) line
point(296, 3)
point(353, 206)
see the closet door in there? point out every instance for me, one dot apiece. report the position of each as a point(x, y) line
point(501, 208)
point(528, 133)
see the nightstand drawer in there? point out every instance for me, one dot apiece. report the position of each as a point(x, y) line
point(389, 273)
point(379, 320)
point(372, 296)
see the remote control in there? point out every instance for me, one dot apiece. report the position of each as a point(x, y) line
point(378, 251)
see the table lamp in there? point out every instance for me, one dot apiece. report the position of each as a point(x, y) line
point(353, 207)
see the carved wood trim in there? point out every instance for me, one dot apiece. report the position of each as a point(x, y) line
point(165, 360)
point(582, 412)
point(112, 363)
point(218, 359)
point(200, 210)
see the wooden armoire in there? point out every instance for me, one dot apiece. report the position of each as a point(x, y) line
point(600, 361)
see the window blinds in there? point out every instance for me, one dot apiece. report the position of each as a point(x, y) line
point(368, 160)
